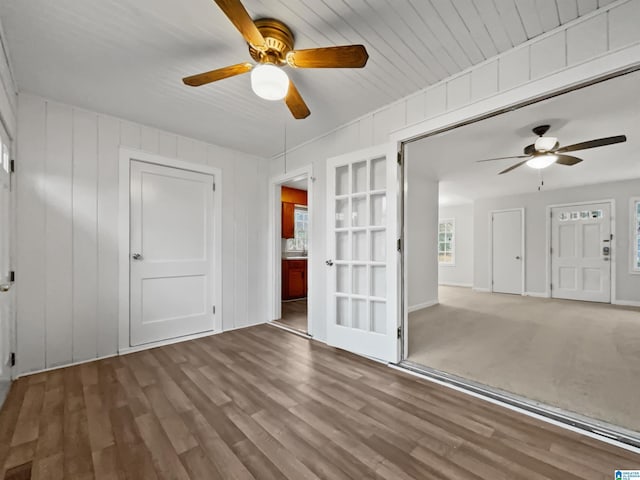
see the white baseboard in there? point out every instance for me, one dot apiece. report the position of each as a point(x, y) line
point(455, 284)
point(626, 303)
point(420, 306)
point(536, 294)
point(482, 290)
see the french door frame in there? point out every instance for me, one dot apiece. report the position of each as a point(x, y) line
point(127, 155)
point(275, 245)
point(612, 257)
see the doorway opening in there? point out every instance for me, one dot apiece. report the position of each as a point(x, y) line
point(292, 224)
point(521, 280)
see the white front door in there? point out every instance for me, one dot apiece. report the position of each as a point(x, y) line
point(581, 250)
point(507, 251)
point(362, 257)
point(6, 290)
point(171, 253)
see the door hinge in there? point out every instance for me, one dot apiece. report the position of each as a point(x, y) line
point(214, 309)
point(12, 276)
point(399, 244)
point(12, 359)
point(400, 158)
point(550, 249)
point(551, 286)
point(399, 333)
point(12, 166)
point(214, 187)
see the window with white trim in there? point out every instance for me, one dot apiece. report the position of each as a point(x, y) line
point(299, 242)
point(446, 241)
point(635, 237)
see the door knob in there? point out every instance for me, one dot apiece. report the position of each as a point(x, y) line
point(518, 257)
point(5, 287)
point(329, 262)
point(136, 256)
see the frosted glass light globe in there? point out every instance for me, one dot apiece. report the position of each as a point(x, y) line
point(544, 144)
point(541, 161)
point(269, 82)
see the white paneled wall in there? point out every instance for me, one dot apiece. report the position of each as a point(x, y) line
point(67, 258)
point(605, 31)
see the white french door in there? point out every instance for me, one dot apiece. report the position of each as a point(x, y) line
point(6, 291)
point(362, 257)
point(171, 252)
point(507, 252)
point(581, 252)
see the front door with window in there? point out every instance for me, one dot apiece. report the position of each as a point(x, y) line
point(171, 261)
point(581, 252)
point(362, 259)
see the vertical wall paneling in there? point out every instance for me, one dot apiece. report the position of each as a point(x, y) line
point(484, 80)
point(458, 91)
point(108, 142)
point(548, 55)
point(436, 100)
point(623, 25)
point(240, 253)
point(68, 197)
point(514, 68)
point(149, 140)
point(85, 235)
point(167, 145)
point(587, 39)
point(30, 262)
point(58, 234)
point(415, 109)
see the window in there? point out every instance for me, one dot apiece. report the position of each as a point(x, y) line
point(635, 239)
point(446, 242)
point(299, 243)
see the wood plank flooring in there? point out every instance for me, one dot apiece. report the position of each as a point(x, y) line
point(261, 403)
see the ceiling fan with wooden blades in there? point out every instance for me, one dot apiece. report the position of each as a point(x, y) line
point(546, 151)
point(271, 46)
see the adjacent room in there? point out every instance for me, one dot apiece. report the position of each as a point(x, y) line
point(536, 293)
point(296, 239)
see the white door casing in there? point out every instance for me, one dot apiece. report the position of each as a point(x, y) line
point(171, 252)
point(361, 254)
point(580, 263)
point(6, 290)
point(507, 251)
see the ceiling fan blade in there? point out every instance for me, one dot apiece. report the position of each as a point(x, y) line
point(295, 103)
point(215, 75)
point(567, 160)
point(513, 167)
point(235, 11)
point(346, 56)
point(502, 158)
point(600, 142)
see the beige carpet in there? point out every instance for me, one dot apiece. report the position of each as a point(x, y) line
point(579, 356)
point(294, 314)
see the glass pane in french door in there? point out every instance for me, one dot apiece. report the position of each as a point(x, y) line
point(360, 239)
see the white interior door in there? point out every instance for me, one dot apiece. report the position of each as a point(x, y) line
point(171, 253)
point(507, 251)
point(581, 250)
point(6, 291)
point(362, 258)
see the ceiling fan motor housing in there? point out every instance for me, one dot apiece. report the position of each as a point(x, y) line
point(278, 40)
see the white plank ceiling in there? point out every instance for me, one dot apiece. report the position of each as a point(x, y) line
point(126, 58)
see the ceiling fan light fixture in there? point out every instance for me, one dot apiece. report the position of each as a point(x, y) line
point(545, 144)
point(542, 161)
point(269, 82)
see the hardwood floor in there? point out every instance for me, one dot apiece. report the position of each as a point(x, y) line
point(294, 315)
point(262, 403)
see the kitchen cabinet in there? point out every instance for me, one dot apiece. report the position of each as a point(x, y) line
point(288, 220)
point(294, 279)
